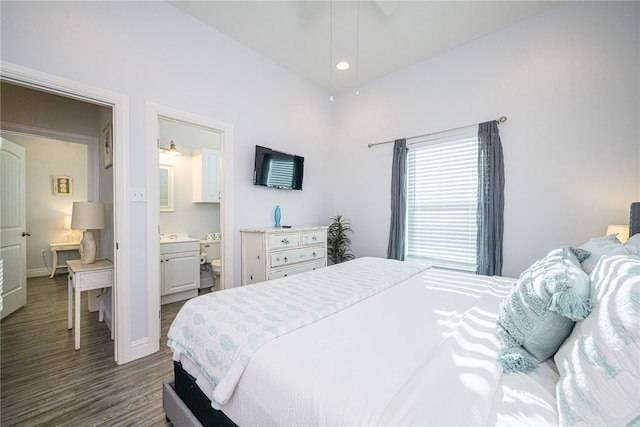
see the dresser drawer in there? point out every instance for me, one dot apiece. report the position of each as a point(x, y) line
point(283, 241)
point(295, 256)
point(94, 279)
point(276, 274)
point(313, 238)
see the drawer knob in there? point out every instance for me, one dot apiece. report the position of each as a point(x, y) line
point(285, 241)
point(314, 238)
point(314, 254)
point(285, 259)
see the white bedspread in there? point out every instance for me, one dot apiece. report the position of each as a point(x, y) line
point(420, 353)
point(220, 332)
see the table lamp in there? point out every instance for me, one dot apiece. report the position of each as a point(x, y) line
point(87, 216)
point(622, 232)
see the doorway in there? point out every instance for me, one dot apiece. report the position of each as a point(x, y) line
point(117, 106)
point(158, 116)
point(190, 203)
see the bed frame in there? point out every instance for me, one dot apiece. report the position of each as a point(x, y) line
point(186, 405)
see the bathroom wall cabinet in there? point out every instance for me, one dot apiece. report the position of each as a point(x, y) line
point(270, 253)
point(179, 270)
point(206, 175)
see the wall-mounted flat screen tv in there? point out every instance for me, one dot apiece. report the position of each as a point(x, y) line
point(277, 169)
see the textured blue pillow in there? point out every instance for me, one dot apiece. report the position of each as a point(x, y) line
point(541, 310)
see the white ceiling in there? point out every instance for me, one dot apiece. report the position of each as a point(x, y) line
point(376, 37)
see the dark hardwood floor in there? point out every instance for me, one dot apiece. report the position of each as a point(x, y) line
point(44, 381)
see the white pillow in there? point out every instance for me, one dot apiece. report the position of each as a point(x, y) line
point(599, 246)
point(599, 363)
point(633, 244)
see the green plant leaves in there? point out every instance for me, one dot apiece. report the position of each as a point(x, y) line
point(338, 242)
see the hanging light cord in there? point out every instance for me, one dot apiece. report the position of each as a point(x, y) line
point(331, 51)
point(357, 46)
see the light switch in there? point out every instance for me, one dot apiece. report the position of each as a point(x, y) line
point(138, 195)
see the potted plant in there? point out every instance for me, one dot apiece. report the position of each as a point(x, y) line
point(338, 242)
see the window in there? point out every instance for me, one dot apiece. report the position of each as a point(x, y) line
point(442, 194)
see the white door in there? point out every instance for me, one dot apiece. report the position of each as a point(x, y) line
point(13, 244)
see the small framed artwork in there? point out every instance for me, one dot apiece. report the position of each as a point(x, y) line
point(62, 185)
point(107, 141)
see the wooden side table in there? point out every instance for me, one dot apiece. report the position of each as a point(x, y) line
point(61, 247)
point(85, 277)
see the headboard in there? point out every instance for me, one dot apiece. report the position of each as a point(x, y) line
point(634, 219)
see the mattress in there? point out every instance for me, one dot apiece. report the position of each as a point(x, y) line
point(519, 400)
point(408, 355)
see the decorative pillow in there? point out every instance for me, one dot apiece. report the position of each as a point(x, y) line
point(541, 310)
point(599, 364)
point(633, 244)
point(599, 246)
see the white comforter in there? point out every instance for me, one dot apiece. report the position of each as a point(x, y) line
point(220, 332)
point(422, 352)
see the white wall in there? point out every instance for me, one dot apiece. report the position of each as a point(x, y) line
point(568, 82)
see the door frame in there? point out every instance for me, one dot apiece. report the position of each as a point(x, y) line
point(124, 349)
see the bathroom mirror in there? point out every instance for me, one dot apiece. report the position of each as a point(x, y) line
point(166, 188)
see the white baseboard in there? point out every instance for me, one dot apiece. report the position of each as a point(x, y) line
point(38, 272)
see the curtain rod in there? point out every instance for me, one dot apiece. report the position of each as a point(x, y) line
point(500, 120)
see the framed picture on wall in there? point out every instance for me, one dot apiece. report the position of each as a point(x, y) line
point(107, 141)
point(62, 185)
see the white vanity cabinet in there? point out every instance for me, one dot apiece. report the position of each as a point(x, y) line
point(205, 169)
point(179, 270)
point(270, 253)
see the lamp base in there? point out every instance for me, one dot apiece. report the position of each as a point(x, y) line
point(87, 248)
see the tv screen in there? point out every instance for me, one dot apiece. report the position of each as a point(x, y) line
point(277, 169)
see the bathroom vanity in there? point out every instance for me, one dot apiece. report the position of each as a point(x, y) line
point(179, 268)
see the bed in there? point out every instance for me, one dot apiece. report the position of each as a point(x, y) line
point(383, 342)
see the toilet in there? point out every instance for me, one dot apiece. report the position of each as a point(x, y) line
point(210, 256)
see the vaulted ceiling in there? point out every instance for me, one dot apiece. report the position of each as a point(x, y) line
point(376, 37)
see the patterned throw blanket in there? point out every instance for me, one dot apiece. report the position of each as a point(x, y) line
point(221, 331)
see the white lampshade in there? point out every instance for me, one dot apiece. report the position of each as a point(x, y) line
point(87, 216)
point(621, 230)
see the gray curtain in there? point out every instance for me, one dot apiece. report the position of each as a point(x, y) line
point(395, 249)
point(490, 201)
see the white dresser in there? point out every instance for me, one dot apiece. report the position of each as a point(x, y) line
point(270, 253)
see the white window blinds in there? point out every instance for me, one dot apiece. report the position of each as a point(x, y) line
point(442, 194)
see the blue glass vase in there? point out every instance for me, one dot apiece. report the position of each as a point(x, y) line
point(276, 216)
